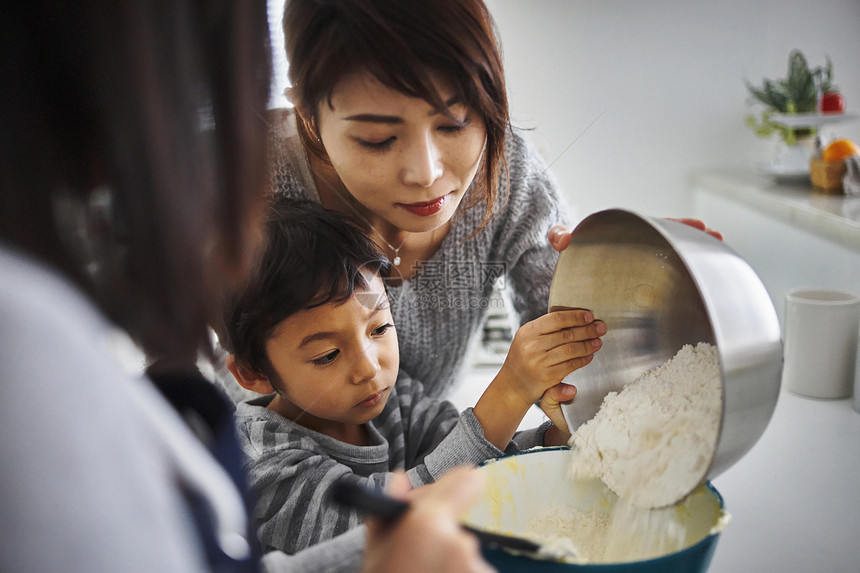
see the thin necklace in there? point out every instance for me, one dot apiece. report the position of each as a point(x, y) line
point(394, 261)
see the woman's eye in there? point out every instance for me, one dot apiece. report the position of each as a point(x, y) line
point(382, 329)
point(457, 126)
point(376, 145)
point(327, 359)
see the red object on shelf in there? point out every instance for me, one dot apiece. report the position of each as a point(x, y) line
point(832, 102)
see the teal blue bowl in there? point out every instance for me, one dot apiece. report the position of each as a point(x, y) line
point(523, 486)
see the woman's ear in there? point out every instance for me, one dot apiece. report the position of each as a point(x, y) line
point(253, 381)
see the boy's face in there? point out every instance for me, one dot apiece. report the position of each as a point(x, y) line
point(337, 363)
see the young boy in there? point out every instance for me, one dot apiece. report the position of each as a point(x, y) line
point(312, 332)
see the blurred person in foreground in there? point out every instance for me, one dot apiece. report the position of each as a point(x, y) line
point(132, 164)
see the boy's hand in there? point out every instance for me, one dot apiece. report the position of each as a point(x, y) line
point(549, 348)
point(558, 434)
point(543, 352)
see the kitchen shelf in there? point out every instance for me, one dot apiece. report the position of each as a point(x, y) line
point(833, 217)
point(801, 120)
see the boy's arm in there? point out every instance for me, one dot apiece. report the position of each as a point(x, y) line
point(426, 422)
point(437, 438)
point(291, 475)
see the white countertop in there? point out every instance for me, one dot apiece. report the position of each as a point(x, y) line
point(831, 216)
point(795, 497)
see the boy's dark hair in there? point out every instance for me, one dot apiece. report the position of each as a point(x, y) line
point(311, 256)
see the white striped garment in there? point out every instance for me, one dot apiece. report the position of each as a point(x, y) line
point(292, 468)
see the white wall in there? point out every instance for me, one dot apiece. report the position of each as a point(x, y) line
point(626, 97)
point(279, 58)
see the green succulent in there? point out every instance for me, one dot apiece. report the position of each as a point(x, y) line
point(797, 93)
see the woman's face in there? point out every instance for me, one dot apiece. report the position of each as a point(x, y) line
point(397, 156)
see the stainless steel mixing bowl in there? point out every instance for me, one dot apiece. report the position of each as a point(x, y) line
point(660, 284)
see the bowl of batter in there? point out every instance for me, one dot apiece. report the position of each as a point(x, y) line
point(583, 526)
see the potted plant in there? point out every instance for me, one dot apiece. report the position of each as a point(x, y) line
point(797, 93)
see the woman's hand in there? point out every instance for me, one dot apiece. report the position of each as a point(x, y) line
point(559, 236)
point(427, 538)
point(700, 225)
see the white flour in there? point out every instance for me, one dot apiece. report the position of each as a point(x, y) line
point(556, 531)
point(652, 442)
point(618, 534)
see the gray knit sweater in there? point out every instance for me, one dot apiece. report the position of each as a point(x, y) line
point(439, 311)
point(291, 468)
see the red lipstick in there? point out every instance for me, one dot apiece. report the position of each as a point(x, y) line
point(427, 208)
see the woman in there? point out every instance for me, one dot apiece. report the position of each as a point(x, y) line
point(131, 162)
point(401, 120)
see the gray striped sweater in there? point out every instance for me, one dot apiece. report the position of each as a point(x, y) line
point(440, 310)
point(292, 468)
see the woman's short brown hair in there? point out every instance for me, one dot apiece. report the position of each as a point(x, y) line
point(403, 44)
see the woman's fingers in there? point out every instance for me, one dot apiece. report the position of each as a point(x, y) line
point(399, 485)
point(700, 225)
point(559, 237)
point(456, 490)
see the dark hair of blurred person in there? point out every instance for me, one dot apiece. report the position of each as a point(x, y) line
point(132, 152)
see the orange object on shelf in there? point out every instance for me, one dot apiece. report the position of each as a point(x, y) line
point(827, 175)
point(839, 150)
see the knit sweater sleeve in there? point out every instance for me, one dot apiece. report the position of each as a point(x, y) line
point(533, 207)
point(342, 554)
point(291, 470)
point(290, 478)
point(433, 444)
point(437, 438)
